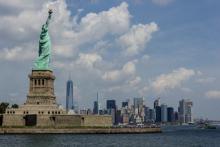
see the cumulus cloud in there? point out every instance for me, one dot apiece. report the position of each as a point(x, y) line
point(205, 80)
point(134, 82)
point(67, 34)
point(213, 94)
point(137, 37)
point(162, 2)
point(88, 60)
point(16, 54)
point(128, 69)
point(172, 80)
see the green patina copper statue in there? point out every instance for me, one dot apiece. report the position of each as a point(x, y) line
point(43, 59)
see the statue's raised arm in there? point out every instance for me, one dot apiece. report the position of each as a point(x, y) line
point(49, 16)
point(44, 52)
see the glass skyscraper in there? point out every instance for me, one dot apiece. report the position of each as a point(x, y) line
point(69, 95)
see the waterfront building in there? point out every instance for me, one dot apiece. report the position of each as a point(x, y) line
point(176, 116)
point(124, 104)
point(156, 102)
point(110, 104)
point(118, 117)
point(164, 113)
point(185, 111)
point(111, 109)
point(158, 113)
point(152, 115)
point(188, 112)
point(139, 106)
point(95, 108)
point(96, 105)
point(69, 95)
point(125, 119)
point(170, 114)
point(146, 114)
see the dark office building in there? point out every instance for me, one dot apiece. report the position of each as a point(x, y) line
point(152, 114)
point(118, 117)
point(158, 113)
point(156, 103)
point(170, 114)
point(110, 104)
point(124, 104)
point(69, 95)
point(176, 116)
point(111, 108)
point(96, 107)
point(147, 114)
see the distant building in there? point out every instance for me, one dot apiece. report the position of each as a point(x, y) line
point(138, 105)
point(118, 117)
point(176, 116)
point(110, 104)
point(125, 119)
point(156, 102)
point(164, 113)
point(170, 114)
point(152, 115)
point(185, 111)
point(158, 113)
point(95, 107)
point(111, 109)
point(147, 114)
point(188, 115)
point(124, 104)
point(69, 95)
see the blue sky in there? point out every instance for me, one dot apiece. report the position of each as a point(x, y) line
point(123, 49)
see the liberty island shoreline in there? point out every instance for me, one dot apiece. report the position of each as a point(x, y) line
point(78, 130)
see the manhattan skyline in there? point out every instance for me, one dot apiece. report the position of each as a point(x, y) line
point(122, 49)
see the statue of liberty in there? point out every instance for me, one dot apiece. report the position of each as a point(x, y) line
point(44, 53)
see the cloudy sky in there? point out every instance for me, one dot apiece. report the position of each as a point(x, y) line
point(120, 48)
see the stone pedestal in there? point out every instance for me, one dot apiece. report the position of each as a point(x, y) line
point(41, 89)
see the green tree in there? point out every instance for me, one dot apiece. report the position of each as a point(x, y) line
point(3, 106)
point(14, 106)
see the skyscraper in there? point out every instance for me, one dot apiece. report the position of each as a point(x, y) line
point(69, 95)
point(158, 113)
point(185, 111)
point(111, 108)
point(188, 115)
point(95, 108)
point(156, 103)
point(138, 105)
point(170, 114)
point(152, 114)
point(110, 104)
point(164, 113)
point(96, 105)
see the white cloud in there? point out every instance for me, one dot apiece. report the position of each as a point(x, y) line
point(137, 37)
point(88, 60)
point(206, 80)
point(94, 26)
point(134, 82)
point(129, 69)
point(172, 80)
point(142, 91)
point(16, 54)
point(213, 94)
point(162, 2)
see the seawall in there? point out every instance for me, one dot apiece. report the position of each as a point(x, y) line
point(79, 130)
